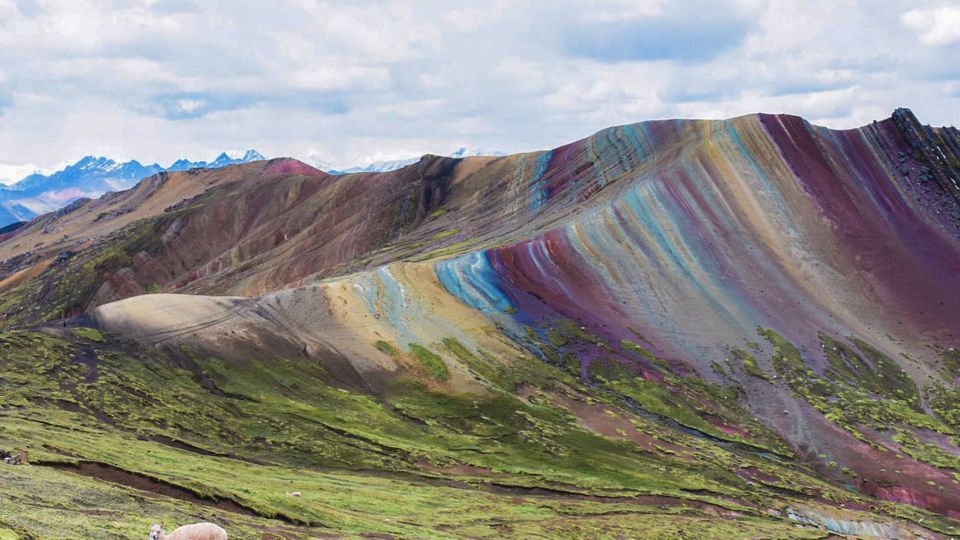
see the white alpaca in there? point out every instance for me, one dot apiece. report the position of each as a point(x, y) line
point(197, 531)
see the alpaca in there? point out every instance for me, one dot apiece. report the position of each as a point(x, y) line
point(197, 531)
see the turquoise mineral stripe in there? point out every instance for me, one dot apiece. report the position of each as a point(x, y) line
point(538, 195)
point(394, 303)
point(647, 212)
point(471, 279)
point(367, 287)
point(771, 192)
point(640, 145)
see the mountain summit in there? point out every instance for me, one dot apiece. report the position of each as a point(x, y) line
point(90, 177)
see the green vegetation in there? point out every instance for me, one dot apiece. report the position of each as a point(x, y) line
point(880, 375)
point(689, 401)
point(438, 213)
point(249, 431)
point(628, 346)
point(928, 453)
point(951, 360)
point(431, 361)
point(871, 392)
point(452, 250)
point(90, 334)
point(445, 234)
point(483, 367)
point(945, 402)
point(385, 347)
point(749, 363)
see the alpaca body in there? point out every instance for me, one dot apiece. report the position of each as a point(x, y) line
point(197, 531)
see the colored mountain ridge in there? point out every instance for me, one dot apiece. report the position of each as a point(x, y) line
point(90, 177)
point(750, 319)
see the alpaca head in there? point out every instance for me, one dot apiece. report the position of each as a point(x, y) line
point(156, 531)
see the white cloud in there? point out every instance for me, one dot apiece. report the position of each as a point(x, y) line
point(611, 11)
point(189, 105)
point(526, 76)
point(935, 26)
point(10, 174)
point(469, 18)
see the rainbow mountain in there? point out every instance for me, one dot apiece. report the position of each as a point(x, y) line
point(737, 328)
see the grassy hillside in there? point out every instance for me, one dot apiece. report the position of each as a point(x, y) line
point(118, 437)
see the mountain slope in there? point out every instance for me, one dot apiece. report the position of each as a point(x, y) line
point(228, 440)
point(88, 178)
point(759, 310)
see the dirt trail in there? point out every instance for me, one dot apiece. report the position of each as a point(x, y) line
point(115, 475)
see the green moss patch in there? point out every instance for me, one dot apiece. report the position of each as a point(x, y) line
point(444, 234)
point(749, 363)
point(90, 334)
point(431, 361)
point(856, 391)
point(385, 347)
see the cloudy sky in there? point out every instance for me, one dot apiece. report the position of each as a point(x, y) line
point(351, 82)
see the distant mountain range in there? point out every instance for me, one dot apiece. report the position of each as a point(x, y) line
point(43, 191)
point(394, 164)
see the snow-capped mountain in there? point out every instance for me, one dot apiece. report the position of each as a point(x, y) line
point(42, 191)
point(224, 159)
point(390, 165)
point(463, 152)
point(375, 166)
